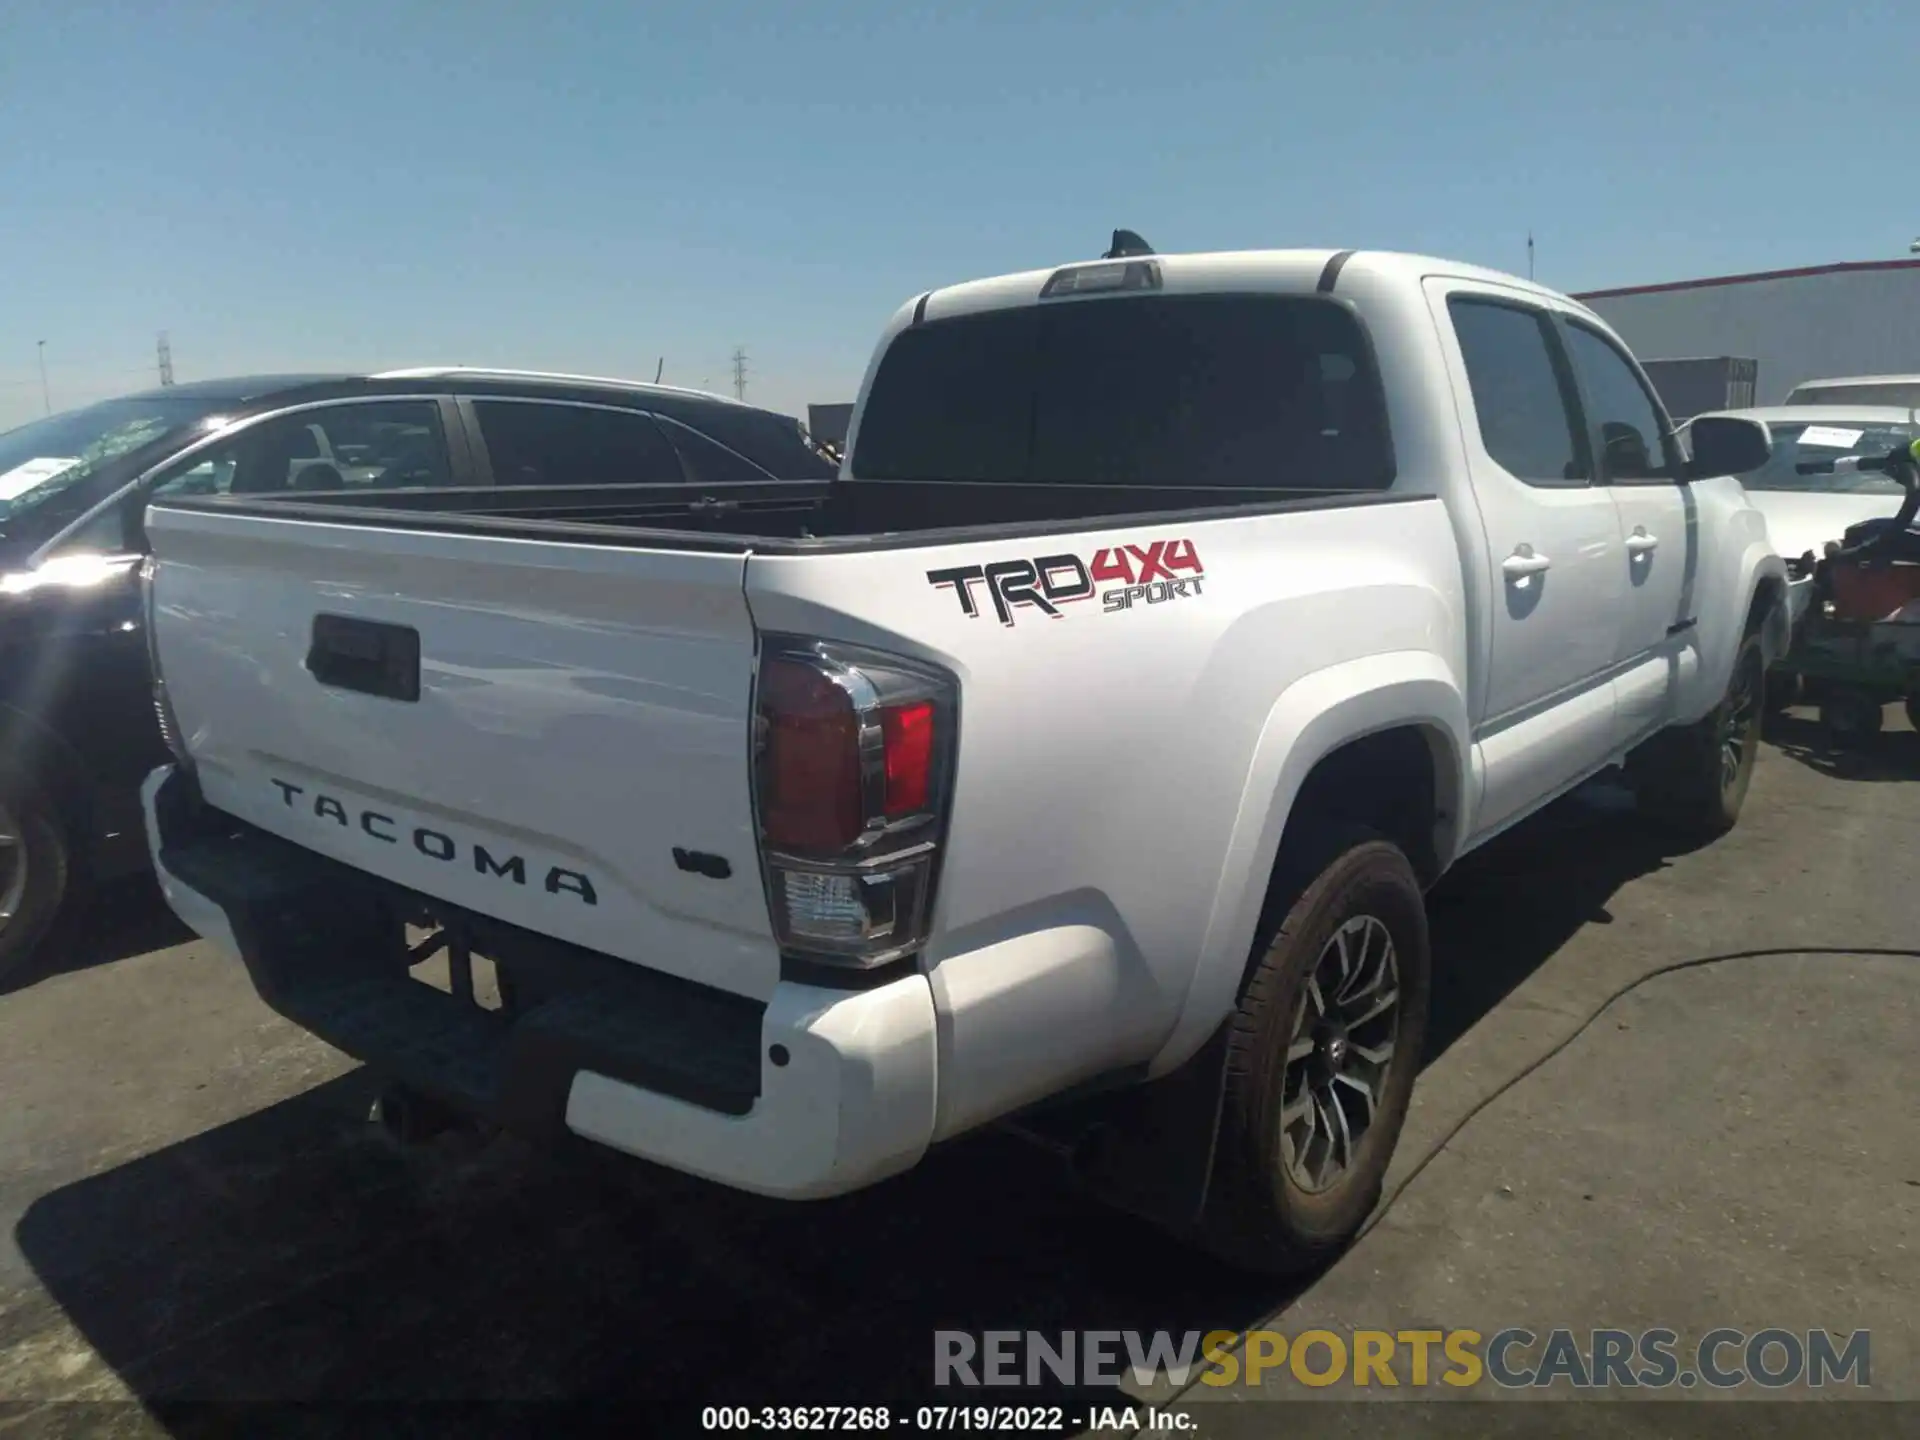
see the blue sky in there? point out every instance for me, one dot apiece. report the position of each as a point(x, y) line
point(590, 187)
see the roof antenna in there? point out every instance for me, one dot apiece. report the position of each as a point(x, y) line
point(1125, 243)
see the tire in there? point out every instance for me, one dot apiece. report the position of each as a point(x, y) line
point(34, 874)
point(1270, 1207)
point(1851, 716)
point(1693, 779)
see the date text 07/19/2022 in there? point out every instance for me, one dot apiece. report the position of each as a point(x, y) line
point(945, 1419)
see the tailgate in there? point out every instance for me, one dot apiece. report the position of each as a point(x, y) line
point(577, 714)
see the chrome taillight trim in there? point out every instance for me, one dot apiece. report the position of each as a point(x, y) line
point(867, 864)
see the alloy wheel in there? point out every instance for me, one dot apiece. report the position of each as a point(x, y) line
point(1737, 724)
point(1339, 1053)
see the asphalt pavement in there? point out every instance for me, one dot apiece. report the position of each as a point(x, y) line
point(197, 1208)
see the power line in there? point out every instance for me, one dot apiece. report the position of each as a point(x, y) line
point(739, 372)
point(166, 360)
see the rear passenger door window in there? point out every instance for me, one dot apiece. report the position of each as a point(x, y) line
point(1523, 393)
point(709, 462)
point(368, 445)
point(551, 443)
point(773, 444)
point(1630, 432)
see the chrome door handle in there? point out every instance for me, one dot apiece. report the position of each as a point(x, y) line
point(1641, 543)
point(1523, 562)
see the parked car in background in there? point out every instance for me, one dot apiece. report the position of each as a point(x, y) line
point(1805, 512)
point(1901, 390)
point(77, 725)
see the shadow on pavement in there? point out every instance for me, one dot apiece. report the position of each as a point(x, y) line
point(298, 1254)
point(1893, 754)
point(1509, 906)
point(114, 922)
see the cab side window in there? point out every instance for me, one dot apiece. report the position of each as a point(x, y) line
point(1522, 391)
point(1632, 434)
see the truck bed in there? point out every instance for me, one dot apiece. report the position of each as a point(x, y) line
point(792, 517)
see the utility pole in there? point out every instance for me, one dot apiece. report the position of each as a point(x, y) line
point(46, 395)
point(739, 372)
point(1529, 254)
point(166, 360)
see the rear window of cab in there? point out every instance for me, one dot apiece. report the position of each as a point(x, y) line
point(1205, 391)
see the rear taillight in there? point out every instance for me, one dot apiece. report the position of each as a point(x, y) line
point(162, 707)
point(853, 766)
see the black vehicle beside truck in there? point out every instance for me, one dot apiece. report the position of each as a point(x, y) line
point(78, 730)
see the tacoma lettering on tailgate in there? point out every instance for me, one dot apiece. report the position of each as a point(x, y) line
point(1146, 575)
point(434, 844)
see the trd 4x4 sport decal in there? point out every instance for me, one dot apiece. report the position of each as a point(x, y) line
point(1164, 570)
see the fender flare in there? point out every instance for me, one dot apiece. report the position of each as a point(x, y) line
point(1723, 625)
point(1770, 575)
point(1311, 719)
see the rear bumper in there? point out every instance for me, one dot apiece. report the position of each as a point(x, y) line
point(816, 1093)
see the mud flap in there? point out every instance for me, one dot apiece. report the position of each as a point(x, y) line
point(1147, 1149)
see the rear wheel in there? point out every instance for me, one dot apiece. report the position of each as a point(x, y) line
point(33, 874)
point(1694, 778)
point(1321, 1061)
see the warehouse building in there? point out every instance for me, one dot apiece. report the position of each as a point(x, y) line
point(1858, 318)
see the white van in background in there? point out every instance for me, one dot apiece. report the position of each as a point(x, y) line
point(1901, 390)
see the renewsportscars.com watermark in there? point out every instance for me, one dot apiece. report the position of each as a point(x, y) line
point(1514, 1358)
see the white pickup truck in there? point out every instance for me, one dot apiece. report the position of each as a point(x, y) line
point(1078, 758)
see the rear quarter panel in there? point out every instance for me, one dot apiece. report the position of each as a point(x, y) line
point(1118, 765)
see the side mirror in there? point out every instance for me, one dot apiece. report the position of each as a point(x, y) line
point(1723, 445)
